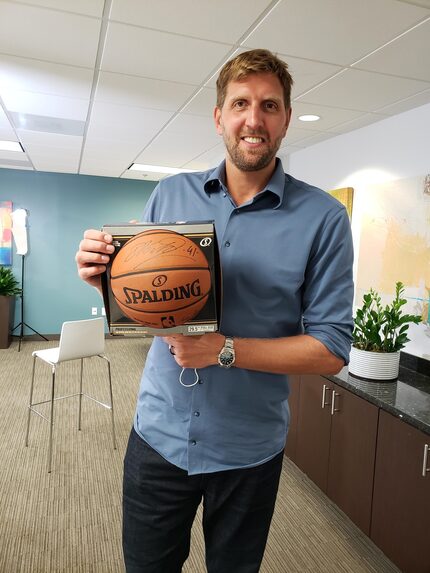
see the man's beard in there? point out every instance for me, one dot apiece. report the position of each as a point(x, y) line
point(251, 161)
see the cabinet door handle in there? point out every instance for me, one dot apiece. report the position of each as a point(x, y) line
point(333, 398)
point(425, 456)
point(323, 402)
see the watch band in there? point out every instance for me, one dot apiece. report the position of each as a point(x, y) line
point(227, 355)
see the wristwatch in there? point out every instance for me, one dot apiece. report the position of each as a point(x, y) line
point(227, 355)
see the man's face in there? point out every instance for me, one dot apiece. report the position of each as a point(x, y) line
point(253, 121)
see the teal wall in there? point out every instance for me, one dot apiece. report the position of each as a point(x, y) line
point(61, 207)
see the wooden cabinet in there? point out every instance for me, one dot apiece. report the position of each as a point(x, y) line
point(352, 455)
point(401, 499)
point(335, 445)
point(293, 401)
point(314, 424)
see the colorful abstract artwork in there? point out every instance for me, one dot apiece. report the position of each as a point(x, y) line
point(5, 233)
point(395, 246)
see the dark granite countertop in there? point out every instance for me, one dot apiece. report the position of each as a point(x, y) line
point(408, 398)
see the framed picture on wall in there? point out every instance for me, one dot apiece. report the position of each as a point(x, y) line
point(346, 196)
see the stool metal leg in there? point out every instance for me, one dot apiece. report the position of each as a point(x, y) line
point(111, 401)
point(51, 420)
point(80, 395)
point(30, 404)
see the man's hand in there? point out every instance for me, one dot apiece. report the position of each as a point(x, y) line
point(195, 351)
point(93, 256)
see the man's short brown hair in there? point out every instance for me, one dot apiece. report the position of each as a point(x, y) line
point(254, 62)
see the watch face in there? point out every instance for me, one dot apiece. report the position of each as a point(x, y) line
point(227, 355)
point(226, 358)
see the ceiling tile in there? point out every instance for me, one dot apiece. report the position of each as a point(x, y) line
point(45, 124)
point(194, 126)
point(52, 152)
point(13, 155)
point(33, 139)
point(126, 45)
point(98, 148)
point(406, 104)
point(32, 32)
point(316, 138)
point(203, 19)
point(87, 7)
point(92, 164)
point(6, 131)
point(150, 176)
point(401, 57)
point(287, 149)
point(11, 164)
point(155, 91)
point(111, 121)
point(329, 115)
point(295, 135)
point(346, 90)
point(46, 105)
point(338, 31)
point(43, 77)
point(186, 137)
point(100, 170)
point(208, 159)
point(173, 150)
point(307, 74)
point(203, 103)
point(362, 121)
point(424, 3)
point(142, 92)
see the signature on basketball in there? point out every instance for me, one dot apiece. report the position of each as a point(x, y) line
point(153, 249)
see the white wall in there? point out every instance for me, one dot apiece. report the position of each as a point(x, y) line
point(394, 148)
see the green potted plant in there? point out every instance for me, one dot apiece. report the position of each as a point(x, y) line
point(379, 335)
point(9, 289)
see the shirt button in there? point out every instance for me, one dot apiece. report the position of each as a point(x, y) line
point(237, 211)
point(227, 244)
point(224, 194)
point(196, 414)
point(200, 381)
point(193, 442)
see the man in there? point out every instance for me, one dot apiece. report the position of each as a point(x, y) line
point(286, 256)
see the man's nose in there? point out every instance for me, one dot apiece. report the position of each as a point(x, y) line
point(254, 118)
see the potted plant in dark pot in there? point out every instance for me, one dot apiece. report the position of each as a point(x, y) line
point(379, 335)
point(9, 289)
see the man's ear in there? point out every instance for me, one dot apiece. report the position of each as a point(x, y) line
point(218, 122)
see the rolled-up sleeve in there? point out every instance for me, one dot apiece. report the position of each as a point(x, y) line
point(329, 290)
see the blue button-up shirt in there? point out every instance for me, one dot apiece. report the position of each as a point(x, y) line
point(286, 258)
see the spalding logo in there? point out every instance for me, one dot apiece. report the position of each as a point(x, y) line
point(205, 242)
point(136, 296)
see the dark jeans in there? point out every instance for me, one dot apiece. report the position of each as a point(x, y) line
point(160, 502)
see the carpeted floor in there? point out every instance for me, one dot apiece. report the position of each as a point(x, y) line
point(69, 521)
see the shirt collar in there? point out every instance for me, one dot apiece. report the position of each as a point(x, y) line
point(276, 185)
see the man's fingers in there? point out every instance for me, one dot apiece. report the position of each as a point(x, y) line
point(94, 246)
point(90, 257)
point(87, 272)
point(97, 235)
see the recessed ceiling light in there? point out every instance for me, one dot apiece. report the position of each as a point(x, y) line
point(309, 117)
point(11, 146)
point(159, 169)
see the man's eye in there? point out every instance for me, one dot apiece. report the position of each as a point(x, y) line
point(271, 105)
point(239, 104)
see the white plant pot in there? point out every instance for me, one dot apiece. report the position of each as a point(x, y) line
point(378, 366)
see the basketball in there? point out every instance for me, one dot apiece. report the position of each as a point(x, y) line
point(160, 278)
